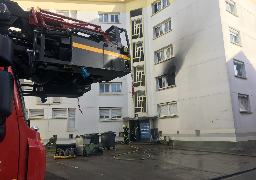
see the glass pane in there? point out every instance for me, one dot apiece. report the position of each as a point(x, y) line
point(157, 31)
point(168, 52)
point(112, 18)
point(101, 88)
point(166, 27)
point(113, 88)
point(161, 29)
point(231, 37)
point(106, 88)
point(159, 6)
point(164, 3)
point(170, 25)
point(168, 2)
point(105, 17)
point(155, 8)
point(118, 89)
point(116, 19)
point(101, 18)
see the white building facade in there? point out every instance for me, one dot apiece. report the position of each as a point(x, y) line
point(193, 64)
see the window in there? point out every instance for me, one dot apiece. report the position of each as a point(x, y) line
point(159, 5)
point(165, 81)
point(167, 109)
point(162, 28)
point(164, 54)
point(231, 6)
point(56, 100)
point(109, 18)
point(70, 136)
point(59, 113)
point(234, 36)
point(244, 103)
point(161, 82)
point(239, 69)
point(110, 113)
point(36, 113)
point(71, 118)
point(68, 13)
point(110, 88)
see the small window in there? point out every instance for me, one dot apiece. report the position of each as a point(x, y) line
point(234, 36)
point(36, 113)
point(157, 7)
point(109, 18)
point(231, 6)
point(110, 113)
point(239, 69)
point(71, 118)
point(56, 100)
point(59, 113)
point(161, 82)
point(167, 109)
point(162, 28)
point(110, 88)
point(244, 103)
point(70, 136)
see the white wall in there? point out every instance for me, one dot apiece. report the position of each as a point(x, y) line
point(245, 22)
point(202, 91)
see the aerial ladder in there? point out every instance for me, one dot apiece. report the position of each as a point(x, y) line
point(62, 56)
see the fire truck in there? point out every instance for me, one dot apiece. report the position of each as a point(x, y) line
point(62, 56)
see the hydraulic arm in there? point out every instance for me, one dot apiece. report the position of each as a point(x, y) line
point(63, 56)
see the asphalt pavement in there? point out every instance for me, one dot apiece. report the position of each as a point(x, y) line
point(164, 163)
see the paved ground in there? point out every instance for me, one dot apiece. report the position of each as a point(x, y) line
point(164, 163)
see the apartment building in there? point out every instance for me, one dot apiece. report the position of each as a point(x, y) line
point(193, 66)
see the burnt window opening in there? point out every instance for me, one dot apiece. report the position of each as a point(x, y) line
point(166, 80)
point(239, 69)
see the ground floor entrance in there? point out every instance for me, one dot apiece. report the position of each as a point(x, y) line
point(139, 130)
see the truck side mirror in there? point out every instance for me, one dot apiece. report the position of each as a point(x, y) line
point(6, 93)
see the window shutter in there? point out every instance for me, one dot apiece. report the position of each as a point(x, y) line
point(116, 113)
point(173, 109)
point(164, 110)
point(71, 118)
point(36, 113)
point(104, 113)
point(59, 113)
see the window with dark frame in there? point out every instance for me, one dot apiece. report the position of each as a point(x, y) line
point(244, 103)
point(239, 69)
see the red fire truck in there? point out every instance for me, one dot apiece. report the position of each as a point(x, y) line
point(63, 57)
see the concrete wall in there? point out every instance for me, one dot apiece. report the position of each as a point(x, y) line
point(245, 23)
point(202, 91)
